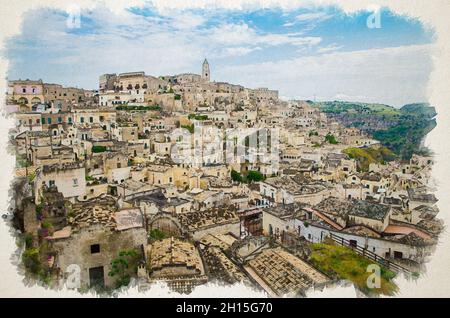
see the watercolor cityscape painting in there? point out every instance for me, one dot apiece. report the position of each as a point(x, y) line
point(280, 149)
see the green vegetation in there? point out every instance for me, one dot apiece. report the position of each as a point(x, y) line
point(338, 107)
point(39, 208)
point(139, 108)
point(47, 228)
point(313, 133)
point(255, 176)
point(406, 137)
point(31, 176)
point(236, 176)
point(344, 263)
point(28, 238)
point(35, 260)
point(31, 260)
point(190, 128)
point(249, 177)
point(157, 235)
point(401, 130)
point(98, 149)
point(22, 161)
point(197, 117)
point(177, 97)
point(331, 139)
point(365, 156)
point(124, 266)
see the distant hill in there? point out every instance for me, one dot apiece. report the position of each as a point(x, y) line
point(401, 130)
point(419, 109)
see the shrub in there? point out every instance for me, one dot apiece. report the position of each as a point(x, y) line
point(190, 128)
point(124, 266)
point(157, 235)
point(331, 139)
point(254, 176)
point(31, 260)
point(97, 149)
point(236, 176)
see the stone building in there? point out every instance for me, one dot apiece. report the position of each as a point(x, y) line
point(176, 263)
point(205, 71)
point(97, 231)
point(68, 178)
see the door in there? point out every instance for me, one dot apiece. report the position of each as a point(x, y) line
point(96, 277)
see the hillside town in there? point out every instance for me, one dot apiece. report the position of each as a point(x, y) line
point(188, 181)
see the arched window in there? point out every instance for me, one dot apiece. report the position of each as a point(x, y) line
point(23, 101)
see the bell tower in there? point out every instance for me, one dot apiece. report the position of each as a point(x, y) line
point(205, 71)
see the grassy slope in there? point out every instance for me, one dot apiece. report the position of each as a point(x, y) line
point(365, 156)
point(344, 263)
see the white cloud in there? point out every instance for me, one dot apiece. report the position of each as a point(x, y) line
point(313, 16)
point(329, 48)
point(288, 24)
point(240, 51)
point(241, 33)
point(395, 75)
point(185, 20)
point(159, 46)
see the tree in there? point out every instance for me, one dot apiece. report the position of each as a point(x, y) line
point(97, 149)
point(331, 139)
point(124, 266)
point(236, 176)
point(254, 176)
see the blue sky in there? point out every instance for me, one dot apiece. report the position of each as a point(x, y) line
point(304, 53)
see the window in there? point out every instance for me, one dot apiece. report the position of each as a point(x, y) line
point(24, 90)
point(91, 119)
point(75, 182)
point(51, 183)
point(95, 248)
point(81, 119)
point(398, 255)
point(59, 120)
point(49, 120)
